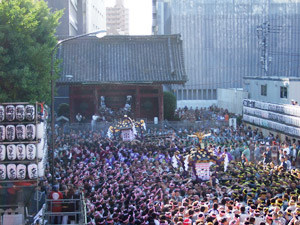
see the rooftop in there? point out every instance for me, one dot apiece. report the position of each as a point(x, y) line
point(123, 59)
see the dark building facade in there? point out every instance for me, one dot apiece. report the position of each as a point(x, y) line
point(119, 66)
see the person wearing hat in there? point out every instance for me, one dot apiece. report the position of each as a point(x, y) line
point(246, 153)
point(187, 222)
point(55, 205)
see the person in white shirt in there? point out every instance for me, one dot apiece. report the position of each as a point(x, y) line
point(293, 154)
point(93, 122)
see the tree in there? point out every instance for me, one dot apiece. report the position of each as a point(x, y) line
point(64, 110)
point(27, 29)
point(169, 105)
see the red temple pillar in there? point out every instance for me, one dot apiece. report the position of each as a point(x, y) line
point(160, 103)
point(137, 103)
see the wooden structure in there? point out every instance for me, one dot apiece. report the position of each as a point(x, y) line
point(119, 66)
point(147, 100)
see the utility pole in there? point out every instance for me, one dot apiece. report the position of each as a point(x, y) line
point(263, 32)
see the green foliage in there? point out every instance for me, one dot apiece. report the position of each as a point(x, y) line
point(27, 29)
point(64, 110)
point(169, 105)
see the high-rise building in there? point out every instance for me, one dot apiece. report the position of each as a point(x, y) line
point(117, 19)
point(225, 41)
point(161, 17)
point(95, 15)
point(79, 16)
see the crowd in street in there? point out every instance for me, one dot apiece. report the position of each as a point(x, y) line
point(201, 114)
point(140, 183)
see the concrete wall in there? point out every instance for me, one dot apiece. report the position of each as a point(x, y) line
point(231, 99)
point(196, 103)
point(253, 86)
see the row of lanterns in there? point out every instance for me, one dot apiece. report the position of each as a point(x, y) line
point(24, 142)
point(22, 151)
point(13, 171)
point(21, 132)
point(18, 112)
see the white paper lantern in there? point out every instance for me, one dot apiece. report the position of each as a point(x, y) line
point(2, 113)
point(11, 152)
point(21, 152)
point(2, 152)
point(41, 169)
point(30, 132)
point(20, 112)
point(2, 133)
point(40, 148)
point(10, 112)
point(30, 151)
point(20, 132)
point(40, 130)
point(2, 172)
point(21, 172)
point(29, 112)
point(10, 132)
point(11, 171)
point(32, 171)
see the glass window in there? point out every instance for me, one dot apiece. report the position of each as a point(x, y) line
point(195, 95)
point(283, 92)
point(209, 94)
point(189, 94)
point(179, 95)
point(214, 93)
point(204, 94)
point(184, 95)
point(263, 90)
point(199, 94)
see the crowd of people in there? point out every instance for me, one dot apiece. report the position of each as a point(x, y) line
point(201, 114)
point(147, 182)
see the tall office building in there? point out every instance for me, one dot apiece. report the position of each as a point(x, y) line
point(117, 19)
point(225, 41)
point(80, 16)
point(161, 17)
point(95, 15)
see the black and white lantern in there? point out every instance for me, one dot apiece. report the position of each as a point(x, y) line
point(40, 148)
point(31, 151)
point(11, 171)
point(41, 169)
point(21, 152)
point(30, 132)
point(2, 113)
point(2, 172)
point(2, 152)
point(20, 112)
point(29, 112)
point(21, 172)
point(2, 133)
point(32, 171)
point(10, 112)
point(20, 132)
point(10, 132)
point(11, 152)
point(40, 130)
